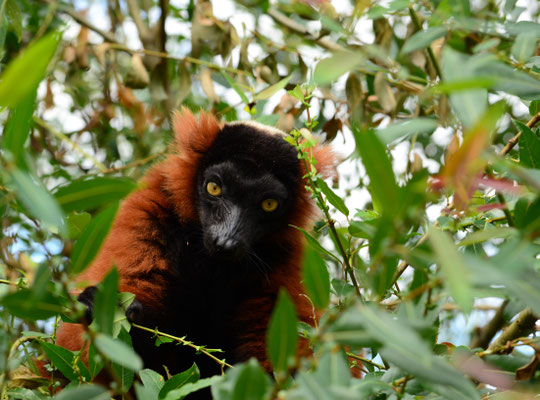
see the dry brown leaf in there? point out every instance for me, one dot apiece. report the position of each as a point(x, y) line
point(137, 76)
point(384, 93)
point(207, 84)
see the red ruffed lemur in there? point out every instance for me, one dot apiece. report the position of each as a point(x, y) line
point(206, 244)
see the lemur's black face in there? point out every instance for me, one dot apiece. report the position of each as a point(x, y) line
point(245, 190)
point(239, 207)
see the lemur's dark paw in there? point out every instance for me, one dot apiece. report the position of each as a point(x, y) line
point(134, 312)
point(87, 298)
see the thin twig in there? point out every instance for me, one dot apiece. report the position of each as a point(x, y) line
point(512, 142)
point(64, 138)
point(137, 163)
point(185, 342)
point(484, 335)
point(431, 55)
point(365, 360)
point(118, 46)
point(300, 29)
point(135, 13)
point(81, 20)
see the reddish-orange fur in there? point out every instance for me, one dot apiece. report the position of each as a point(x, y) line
point(176, 177)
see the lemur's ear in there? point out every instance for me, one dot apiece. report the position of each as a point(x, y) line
point(192, 133)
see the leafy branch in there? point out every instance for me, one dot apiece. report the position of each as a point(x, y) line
point(183, 341)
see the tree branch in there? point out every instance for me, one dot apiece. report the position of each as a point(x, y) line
point(300, 29)
point(523, 325)
point(80, 19)
point(431, 55)
point(135, 13)
point(512, 142)
point(484, 335)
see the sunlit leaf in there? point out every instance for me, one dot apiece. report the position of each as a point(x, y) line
point(329, 69)
point(24, 73)
point(88, 194)
point(403, 129)
point(18, 128)
point(383, 184)
point(271, 90)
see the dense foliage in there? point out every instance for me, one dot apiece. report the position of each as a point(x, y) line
point(425, 263)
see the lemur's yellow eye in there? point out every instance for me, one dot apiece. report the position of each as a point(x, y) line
point(269, 205)
point(213, 188)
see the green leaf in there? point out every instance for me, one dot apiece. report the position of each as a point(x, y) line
point(118, 352)
point(423, 39)
point(271, 90)
point(529, 147)
point(235, 87)
point(508, 79)
point(246, 381)
point(105, 303)
point(534, 107)
point(152, 381)
point(453, 267)
point(95, 363)
point(333, 369)
point(124, 374)
point(89, 243)
point(314, 243)
point(251, 383)
point(24, 304)
point(316, 278)
point(333, 198)
point(23, 74)
point(312, 389)
point(524, 46)
point(120, 320)
point(282, 338)
point(76, 223)
point(486, 45)
point(383, 186)
point(84, 392)
point(191, 387)
point(329, 69)
point(89, 194)
point(61, 359)
point(25, 394)
point(298, 93)
point(488, 234)
point(18, 128)
point(36, 199)
point(403, 129)
point(15, 17)
point(403, 347)
point(177, 381)
point(469, 105)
